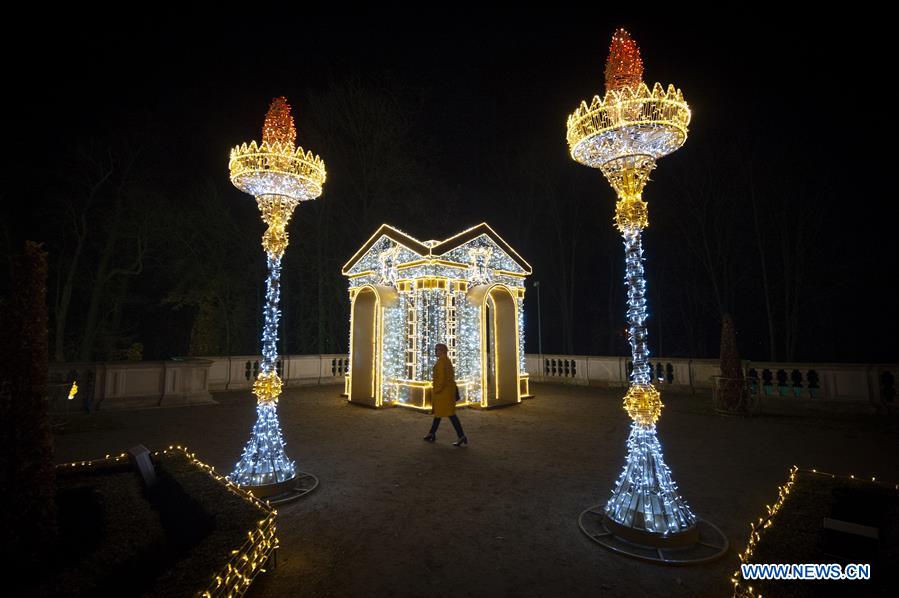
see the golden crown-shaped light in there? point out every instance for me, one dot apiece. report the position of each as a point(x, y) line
point(277, 169)
point(633, 120)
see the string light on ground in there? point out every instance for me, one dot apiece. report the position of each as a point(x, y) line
point(755, 533)
point(757, 529)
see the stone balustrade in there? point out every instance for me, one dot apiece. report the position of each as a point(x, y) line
point(132, 384)
point(137, 384)
point(239, 372)
point(190, 381)
point(873, 383)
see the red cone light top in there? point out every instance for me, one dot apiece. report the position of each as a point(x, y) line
point(624, 67)
point(279, 127)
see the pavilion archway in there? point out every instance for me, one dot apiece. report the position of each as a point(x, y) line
point(500, 366)
point(366, 325)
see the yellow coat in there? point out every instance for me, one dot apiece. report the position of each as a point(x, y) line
point(443, 393)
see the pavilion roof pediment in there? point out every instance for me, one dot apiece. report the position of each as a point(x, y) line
point(393, 244)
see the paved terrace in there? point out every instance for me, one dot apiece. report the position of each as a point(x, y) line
point(395, 516)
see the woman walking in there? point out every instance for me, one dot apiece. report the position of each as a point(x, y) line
point(443, 395)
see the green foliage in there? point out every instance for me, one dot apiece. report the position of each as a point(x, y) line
point(122, 547)
point(27, 502)
point(731, 367)
point(230, 518)
point(731, 394)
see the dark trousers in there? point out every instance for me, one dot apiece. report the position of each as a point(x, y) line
point(454, 420)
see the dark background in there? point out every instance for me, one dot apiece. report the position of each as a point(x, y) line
point(777, 209)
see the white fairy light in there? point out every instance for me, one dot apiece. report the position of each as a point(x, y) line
point(279, 175)
point(623, 134)
point(427, 295)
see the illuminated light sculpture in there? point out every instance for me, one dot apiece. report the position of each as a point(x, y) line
point(279, 175)
point(623, 134)
point(407, 295)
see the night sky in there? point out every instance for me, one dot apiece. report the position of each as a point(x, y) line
point(800, 98)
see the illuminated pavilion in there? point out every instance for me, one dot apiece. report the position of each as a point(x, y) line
point(407, 295)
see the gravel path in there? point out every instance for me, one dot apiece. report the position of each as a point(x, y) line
point(395, 516)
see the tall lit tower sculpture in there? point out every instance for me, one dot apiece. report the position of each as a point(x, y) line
point(623, 134)
point(279, 175)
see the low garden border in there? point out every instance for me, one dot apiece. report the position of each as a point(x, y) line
point(245, 561)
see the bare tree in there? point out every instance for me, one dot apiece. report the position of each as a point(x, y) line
point(123, 245)
point(365, 128)
point(93, 172)
point(708, 224)
point(763, 262)
point(566, 216)
point(797, 226)
point(212, 270)
point(786, 224)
